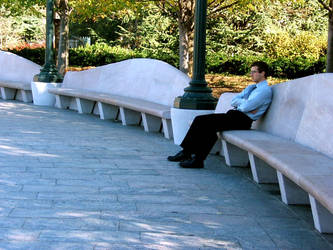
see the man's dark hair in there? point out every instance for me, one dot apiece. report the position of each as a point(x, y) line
point(262, 66)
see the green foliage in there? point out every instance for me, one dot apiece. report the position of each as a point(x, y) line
point(148, 30)
point(102, 31)
point(102, 54)
point(37, 55)
point(20, 29)
point(281, 67)
point(296, 67)
point(98, 54)
point(289, 29)
point(304, 44)
point(291, 36)
point(23, 7)
point(146, 33)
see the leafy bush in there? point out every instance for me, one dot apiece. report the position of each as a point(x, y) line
point(291, 37)
point(97, 55)
point(101, 54)
point(303, 44)
point(296, 67)
point(218, 63)
point(281, 67)
point(35, 54)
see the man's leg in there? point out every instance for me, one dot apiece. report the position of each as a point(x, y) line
point(199, 129)
point(202, 136)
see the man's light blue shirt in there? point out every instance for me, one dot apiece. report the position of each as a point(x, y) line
point(255, 97)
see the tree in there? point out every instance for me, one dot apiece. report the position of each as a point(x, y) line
point(183, 11)
point(64, 11)
point(81, 10)
point(274, 29)
point(328, 5)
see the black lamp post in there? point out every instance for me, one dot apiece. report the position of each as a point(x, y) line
point(198, 96)
point(49, 72)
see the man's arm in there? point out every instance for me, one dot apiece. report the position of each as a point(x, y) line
point(256, 99)
point(240, 98)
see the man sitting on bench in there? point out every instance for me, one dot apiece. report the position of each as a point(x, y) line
point(248, 105)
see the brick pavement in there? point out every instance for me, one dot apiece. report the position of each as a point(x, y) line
point(71, 181)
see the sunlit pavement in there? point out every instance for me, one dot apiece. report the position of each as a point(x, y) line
point(71, 181)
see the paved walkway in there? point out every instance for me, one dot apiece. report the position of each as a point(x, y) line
point(70, 181)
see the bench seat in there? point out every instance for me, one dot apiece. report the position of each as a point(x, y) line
point(292, 160)
point(15, 85)
point(156, 109)
point(304, 175)
point(15, 90)
point(135, 91)
point(292, 145)
point(16, 74)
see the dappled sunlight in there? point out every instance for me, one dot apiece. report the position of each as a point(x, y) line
point(8, 105)
point(92, 236)
point(7, 183)
point(30, 132)
point(76, 214)
point(87, 236)
point(18, 235)
point(71, 182)
point(14, 151)
point(184, 241)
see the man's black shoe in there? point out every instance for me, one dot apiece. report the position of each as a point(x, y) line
point(180, 156)
point(192, 163)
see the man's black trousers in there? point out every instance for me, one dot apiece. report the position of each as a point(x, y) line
point(202, 136)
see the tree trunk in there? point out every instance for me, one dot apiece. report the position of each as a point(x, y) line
point(56, 35)
point(329, 65)
point(186, 35)
point(63, 45)
point(184, 57)
point(62, 57)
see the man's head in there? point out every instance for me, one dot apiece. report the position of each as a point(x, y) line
point(259, 71)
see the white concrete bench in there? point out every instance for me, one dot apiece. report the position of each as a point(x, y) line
point(136, 91)
point(292, 145)
point(16, 74)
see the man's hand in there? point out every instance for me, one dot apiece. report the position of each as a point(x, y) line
point(254, 111)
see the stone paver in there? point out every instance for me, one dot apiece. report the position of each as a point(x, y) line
point(71, 181)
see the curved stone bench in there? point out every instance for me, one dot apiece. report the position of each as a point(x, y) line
point(136, 91)
point(292, 145)
point(16, 74)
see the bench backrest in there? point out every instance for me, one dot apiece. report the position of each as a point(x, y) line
point(146, 79)
point(223, 105)
point(16, 68)
point(302, 111)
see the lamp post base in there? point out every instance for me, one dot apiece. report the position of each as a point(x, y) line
point(40, 93)
point(181, 120)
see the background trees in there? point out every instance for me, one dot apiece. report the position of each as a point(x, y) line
point(22, 26)
point(276, 30)
point(279, 31)
point(328, 6)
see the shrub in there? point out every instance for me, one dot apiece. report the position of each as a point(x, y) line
point(303, 44)
point(97, 55)
point(218, 63)
point(296, 67)
point(37, 55)
point(281, 67)
point(101, 54)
